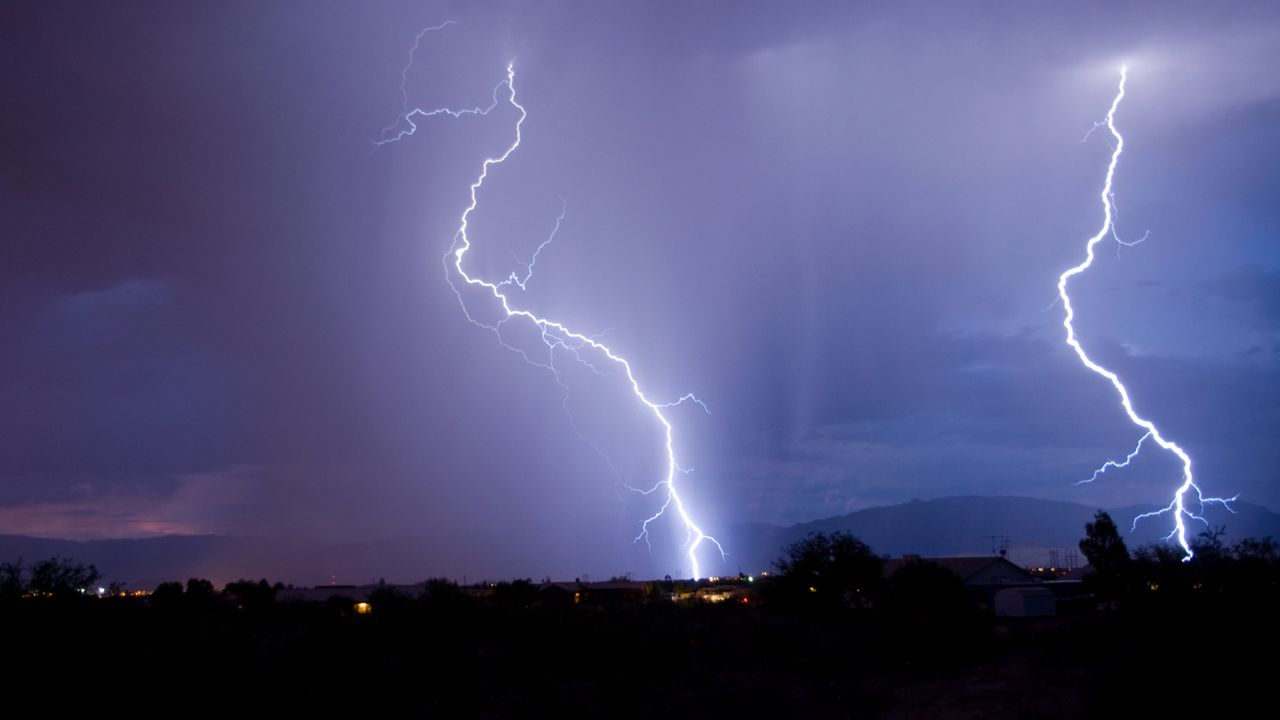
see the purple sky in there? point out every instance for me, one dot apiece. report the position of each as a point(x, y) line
point(223, 310)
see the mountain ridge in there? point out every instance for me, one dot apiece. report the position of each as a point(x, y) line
point(966, 524)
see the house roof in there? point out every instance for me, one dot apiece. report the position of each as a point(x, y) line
point(588, 586)
point(967, 567)
point(616, 585)
point(565, 586)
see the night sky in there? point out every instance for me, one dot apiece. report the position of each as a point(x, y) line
point(223, 309)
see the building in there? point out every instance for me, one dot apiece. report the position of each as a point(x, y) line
point(610, 592)
point(1025, 602)
point(989, 579)
point(974, 570)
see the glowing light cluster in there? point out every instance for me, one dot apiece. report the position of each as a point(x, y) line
point(558, 339)
point(1178, 507)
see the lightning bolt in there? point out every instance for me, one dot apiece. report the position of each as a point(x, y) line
point(558, 338)
point(1178, 507)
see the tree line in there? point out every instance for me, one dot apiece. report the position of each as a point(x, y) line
point(1243, 573)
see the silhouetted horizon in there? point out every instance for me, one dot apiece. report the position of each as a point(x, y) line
point(958, 525)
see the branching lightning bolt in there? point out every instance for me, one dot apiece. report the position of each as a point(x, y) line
point(1178, 507)
point(1116, 463)
point(557, 337)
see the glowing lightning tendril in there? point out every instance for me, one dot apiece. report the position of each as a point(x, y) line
point(555, 335)
point(1178, 506)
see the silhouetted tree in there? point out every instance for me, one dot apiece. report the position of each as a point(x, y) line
point(521, 592)
point(11, 584)
point(1243, 578)
point(1162, 577)
point(443, 594)
point(167, 595)
point(1106, 552)
point(61, 577)
point(1209, 542)
point(200, 593)
point(931, 616)
point(920, 586)
point(249, 595)
point(828, 572)
point(1265, 551)
point(389, 601)
point(1256, 570)
point(199, 587)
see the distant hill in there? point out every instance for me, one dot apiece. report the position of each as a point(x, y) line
point(945, 526)
point(962, 526)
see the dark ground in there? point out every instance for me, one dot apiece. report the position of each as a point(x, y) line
point(481, 660)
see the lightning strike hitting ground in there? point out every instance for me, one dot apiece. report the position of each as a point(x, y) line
point(557, 337)
point(1178, 506)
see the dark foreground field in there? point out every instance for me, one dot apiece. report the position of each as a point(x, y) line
point(468, 659)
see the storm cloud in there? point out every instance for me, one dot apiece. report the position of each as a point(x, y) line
point(840, 225)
